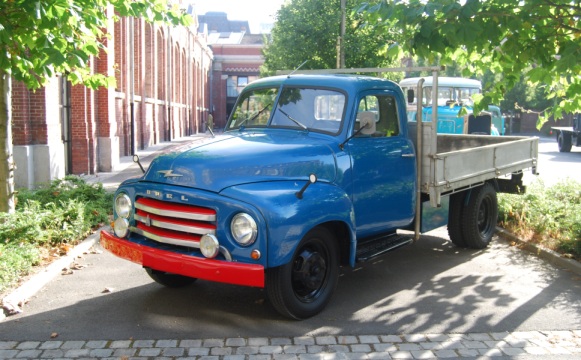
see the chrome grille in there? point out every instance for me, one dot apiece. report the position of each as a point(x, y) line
point(173, 223)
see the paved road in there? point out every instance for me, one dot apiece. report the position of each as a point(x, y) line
point(555, 166)
point(429, 299)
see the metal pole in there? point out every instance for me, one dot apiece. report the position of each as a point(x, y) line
point(132, 83)
point(342, 38)
point(419, 162)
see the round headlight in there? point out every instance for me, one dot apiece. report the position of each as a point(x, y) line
point(209, 246)
point(121, 227)
point(123, 205)
point(243, 228)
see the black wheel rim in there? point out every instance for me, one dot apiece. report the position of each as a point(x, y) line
point(309, 272)
point(484, 217)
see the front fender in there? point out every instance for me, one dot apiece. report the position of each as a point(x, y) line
point(288, 218)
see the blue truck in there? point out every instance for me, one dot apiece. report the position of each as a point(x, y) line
point(313, 172)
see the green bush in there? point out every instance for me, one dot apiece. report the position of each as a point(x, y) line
point(16, 260)
point(64, 212)
point(550, 216)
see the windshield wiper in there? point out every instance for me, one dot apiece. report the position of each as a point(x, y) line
point(254, 116)
point(292, 119)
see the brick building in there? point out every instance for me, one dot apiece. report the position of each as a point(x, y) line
point(168, 80)
point(237, 60)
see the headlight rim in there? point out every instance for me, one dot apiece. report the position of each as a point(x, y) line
point(252, 235)
point(121, 227)
point(127, 213)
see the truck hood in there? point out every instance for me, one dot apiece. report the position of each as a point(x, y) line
point(243, 158)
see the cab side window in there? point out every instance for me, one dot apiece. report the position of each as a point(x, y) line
point(383, 109)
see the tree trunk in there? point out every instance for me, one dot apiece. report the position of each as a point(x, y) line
point(6, 160)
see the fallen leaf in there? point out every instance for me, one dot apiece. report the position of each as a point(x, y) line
point(64, 249)
point(76, 266)
point(93, 250)
point(107, 290)
point(12, 308)
point(54, 335)
point(66, 271)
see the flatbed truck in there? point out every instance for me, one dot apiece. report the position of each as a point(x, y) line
point(313, 172)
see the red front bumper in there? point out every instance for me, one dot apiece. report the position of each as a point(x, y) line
point(200, 268)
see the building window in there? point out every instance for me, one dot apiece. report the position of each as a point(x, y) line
point(235, 84)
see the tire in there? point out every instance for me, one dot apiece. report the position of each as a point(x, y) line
point(480, 217)
point(564, 142)
point(303, 287)
point(168, 279)
point(455, 219)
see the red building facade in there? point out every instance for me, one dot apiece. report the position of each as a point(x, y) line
point(235, 66)
point(168, 80)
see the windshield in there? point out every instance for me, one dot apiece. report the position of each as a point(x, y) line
point(448, 95)
point(307, 109)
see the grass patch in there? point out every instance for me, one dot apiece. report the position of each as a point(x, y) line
point(549, 216)
point(46, 221)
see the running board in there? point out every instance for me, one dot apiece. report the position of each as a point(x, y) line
point(376, 247)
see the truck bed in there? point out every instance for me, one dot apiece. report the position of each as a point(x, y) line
point(454, 162)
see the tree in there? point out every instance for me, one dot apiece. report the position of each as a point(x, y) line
point(539, 40)
point(42, 38)
point(309, 30)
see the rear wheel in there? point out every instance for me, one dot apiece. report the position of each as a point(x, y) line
point(303, 287)
point(480, 216)
point(455, 219)
point(168, 279)
point(564, 142)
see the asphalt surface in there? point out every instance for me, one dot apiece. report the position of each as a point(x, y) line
point(426, 300)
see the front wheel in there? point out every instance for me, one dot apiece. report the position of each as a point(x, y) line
point(168, 279)
point(480, 217)
point(303, 287)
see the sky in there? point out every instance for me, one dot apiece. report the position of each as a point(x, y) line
point(255, 11)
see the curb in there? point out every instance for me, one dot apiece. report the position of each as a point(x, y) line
point(13, 302)
point(550, 256)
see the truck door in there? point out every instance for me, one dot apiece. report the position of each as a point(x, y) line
point(383, 165)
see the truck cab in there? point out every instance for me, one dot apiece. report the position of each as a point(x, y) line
point(454, 94)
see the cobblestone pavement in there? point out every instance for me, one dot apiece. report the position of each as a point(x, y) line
point(529, 344)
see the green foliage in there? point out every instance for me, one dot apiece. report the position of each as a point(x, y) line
point(539, 40)
point(309, 30)
point(41, 38)
point(16, 260)
point(64, 212)
point(549, 215)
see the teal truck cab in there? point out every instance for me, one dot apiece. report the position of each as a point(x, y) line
point(312, 173)
point(453, 95)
